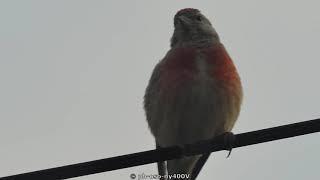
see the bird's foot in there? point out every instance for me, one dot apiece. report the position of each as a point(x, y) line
point(229, 140)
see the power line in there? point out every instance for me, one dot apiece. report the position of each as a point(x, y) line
point(162, 154)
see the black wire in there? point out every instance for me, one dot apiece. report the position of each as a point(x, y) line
point(162, 154)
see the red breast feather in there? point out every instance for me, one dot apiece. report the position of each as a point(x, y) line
point(179, 67)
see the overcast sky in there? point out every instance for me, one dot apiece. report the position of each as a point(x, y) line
point(73, 75)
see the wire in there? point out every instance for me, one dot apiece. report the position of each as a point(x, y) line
point(163, 154)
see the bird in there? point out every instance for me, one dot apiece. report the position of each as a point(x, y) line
point(194, 92)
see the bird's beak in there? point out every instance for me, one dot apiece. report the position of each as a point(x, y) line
point(184, 20)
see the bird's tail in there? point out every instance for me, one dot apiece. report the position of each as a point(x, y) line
point(198, 166)
point(181, 168)
point(161, 166)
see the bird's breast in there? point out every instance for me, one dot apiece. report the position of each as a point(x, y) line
point(187, 65)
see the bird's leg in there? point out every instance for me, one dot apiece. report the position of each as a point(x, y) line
point(161, 166)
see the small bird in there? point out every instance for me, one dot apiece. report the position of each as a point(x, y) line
point(194, 92)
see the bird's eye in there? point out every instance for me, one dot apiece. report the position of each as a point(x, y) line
point(199, 18)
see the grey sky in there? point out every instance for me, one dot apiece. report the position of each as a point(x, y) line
point(73, 74)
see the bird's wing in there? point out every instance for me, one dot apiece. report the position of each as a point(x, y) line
point(151, 98)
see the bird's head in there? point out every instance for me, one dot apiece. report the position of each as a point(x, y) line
point(192, 27)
